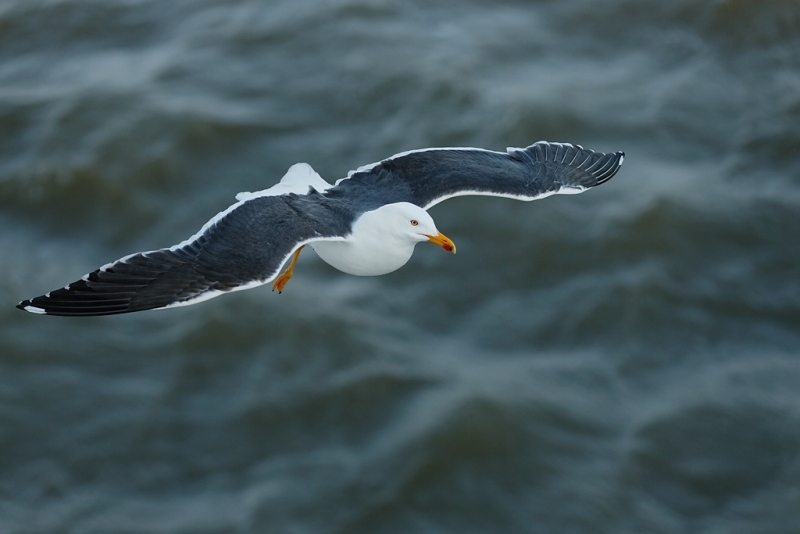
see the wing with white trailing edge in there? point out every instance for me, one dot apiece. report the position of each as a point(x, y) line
point(242, 247)
point(429, 176)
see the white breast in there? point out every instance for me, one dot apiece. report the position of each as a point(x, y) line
point(374, 247)
point(364, 257)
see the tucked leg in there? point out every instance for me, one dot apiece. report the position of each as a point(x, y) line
point(287, 274)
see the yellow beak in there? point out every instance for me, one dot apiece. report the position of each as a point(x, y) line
point(443, 241)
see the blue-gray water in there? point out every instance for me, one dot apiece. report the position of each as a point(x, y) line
point(625, 360)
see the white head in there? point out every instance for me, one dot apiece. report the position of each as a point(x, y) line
point(409, 222)
point(382, 240)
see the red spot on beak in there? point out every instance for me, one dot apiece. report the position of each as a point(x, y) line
point(443, 241)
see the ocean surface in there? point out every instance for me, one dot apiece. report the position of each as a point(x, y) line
point(622, 361)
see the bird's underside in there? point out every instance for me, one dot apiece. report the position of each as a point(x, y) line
point(246, 245)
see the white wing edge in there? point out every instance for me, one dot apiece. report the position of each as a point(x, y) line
point(562, 191)
point(249, 285)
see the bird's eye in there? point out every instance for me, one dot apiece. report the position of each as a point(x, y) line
point(414, 222)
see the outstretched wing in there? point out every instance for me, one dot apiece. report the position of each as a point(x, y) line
point(242, 247)
point(429, 176)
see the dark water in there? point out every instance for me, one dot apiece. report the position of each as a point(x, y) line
point(626, 360)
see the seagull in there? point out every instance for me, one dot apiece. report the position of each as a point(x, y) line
point(366, 224)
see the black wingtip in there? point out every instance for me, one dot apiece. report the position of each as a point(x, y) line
point(138, 282)
point(27, 305)
point(609, 167)
point(594, 168)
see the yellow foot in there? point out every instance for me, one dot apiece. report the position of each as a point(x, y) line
point(281, 281)
point(287, 274)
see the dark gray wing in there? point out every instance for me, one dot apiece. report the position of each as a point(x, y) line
point(242, 247)
point(426, 177)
